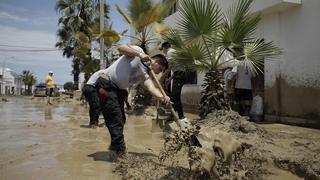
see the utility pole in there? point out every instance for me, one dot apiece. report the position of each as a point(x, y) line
point(102, 61)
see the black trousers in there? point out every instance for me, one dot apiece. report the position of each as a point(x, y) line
point(178, 81)
point(91, 95)
point(112, 109)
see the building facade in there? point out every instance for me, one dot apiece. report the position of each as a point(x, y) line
point(10, 82)
point(291, 83)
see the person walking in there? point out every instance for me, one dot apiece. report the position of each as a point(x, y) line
point(110, 86)
point(50, 85)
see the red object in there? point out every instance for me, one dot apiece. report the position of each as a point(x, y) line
point(103, 93)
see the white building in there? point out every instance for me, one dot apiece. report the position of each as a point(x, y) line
point(10, 82)
point(291, 85)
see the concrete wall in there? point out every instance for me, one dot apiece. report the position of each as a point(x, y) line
point(292, 82)
point(292, 85)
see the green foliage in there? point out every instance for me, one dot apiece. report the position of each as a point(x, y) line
point(68, 86)
point(28, 80)
point(141, 16)
point(79, 31)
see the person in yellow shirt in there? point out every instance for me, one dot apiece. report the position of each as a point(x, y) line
point(49, 85)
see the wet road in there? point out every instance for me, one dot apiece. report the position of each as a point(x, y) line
point(51, 142)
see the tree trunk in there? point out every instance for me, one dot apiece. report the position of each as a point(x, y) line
point(76, 73)
point(212, 95)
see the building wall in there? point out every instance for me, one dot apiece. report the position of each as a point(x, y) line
point(10, 81)
point(292, 82)
point(292, 85)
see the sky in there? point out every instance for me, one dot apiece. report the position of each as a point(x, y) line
point(32, 24)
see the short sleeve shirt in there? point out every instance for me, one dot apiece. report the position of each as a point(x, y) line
point(125, 71)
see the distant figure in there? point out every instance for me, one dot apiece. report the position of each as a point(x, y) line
point(243, 89)
point(50, 86)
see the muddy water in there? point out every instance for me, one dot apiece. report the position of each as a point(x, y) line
point(41, 142)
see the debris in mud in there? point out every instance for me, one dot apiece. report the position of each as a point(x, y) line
point(231, 148)
point(4, 100)
point(37, 125)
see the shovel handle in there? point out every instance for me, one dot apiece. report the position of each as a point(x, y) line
point(158, 83)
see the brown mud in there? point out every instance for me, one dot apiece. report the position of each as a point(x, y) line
point(52, 142)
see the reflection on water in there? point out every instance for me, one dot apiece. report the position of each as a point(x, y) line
point(47, 113)
point(24, 110)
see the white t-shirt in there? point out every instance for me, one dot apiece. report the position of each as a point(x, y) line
point(176, 66)
point(244, 75)
point(124, 72)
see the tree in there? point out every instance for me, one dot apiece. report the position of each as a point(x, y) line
point(141, 17)
point(68, 86)
point(28, 80)
point(204, 35)
point(79, 29)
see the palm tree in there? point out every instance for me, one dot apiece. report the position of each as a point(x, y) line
point(141, 17)
point(28, 80)
point(204, 35)
point(77, 16)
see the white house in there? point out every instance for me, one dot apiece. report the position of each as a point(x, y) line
point(290, 85)
point(10, 82)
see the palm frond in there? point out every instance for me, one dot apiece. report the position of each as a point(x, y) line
point(239, 25)
point(81, 38)
point(173, 37)
point(138, 8)
point(155, 14)
point(110, 36)
point(198, 18)
point(192, 57)
point(255, 52)
point(161, 28)
point(124, 15)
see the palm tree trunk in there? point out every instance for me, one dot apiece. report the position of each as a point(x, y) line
point(76, 73)
point(212, 95)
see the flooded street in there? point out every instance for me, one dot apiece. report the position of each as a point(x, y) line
point(53, 142)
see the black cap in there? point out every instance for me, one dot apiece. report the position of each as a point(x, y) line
point(166, 45)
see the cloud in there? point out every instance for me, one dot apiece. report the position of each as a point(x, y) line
point(37, 20)
point(11, 17)
point(12, 37)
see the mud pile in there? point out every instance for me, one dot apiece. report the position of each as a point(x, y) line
point(227, 146)
point(222, 153)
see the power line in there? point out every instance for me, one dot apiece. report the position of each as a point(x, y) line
point(27, 50)
point(6, 45)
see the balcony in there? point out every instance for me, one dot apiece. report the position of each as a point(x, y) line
point(269, 6)
point(263, 6)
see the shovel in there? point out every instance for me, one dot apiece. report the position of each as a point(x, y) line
point(194, 140)
point(175, 117)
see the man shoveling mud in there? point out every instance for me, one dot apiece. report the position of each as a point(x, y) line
point(111, 84)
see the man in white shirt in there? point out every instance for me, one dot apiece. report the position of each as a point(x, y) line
point(110, 86)
point(243, 89)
